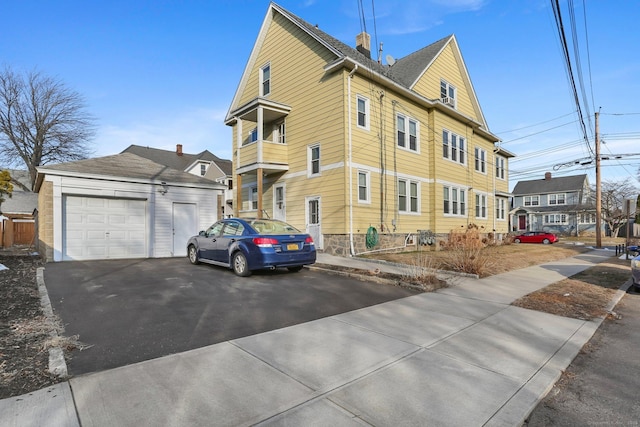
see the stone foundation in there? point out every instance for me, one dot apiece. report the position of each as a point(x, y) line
point(338, 244)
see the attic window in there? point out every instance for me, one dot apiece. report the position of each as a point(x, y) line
point(265, 80)
point(447, 93)
point(203, 169)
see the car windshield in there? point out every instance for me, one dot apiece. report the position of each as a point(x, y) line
point(272, 226)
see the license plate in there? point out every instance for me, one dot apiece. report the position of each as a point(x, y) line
point(292, 246)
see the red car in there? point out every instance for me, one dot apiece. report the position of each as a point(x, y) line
point(536, 237)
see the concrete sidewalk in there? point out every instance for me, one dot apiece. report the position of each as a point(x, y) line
point(458, 356)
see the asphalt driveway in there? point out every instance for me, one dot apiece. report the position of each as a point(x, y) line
point(128, 311)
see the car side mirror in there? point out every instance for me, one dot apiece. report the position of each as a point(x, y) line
point(202, 233)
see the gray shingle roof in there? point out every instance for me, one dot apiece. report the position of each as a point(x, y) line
point(20, 202)
point(173, 160)
point(404, 72)
point(128, 165)
point(408, 69)
point(548, 186)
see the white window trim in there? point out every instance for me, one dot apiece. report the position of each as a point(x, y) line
point(367, 119)
point(448, 87)
point(251, 200)
point(279, 136)
point(480, 160)
point(367, 175)
point(483, 203)
point(261, 89)
point(556, 219)
point(408, 182)
point(462, 212)
point(310, 148)
point(531, 198)
point(461, 154)
point(501, 163)
point(407, 136)
point(555, 198)
point(501, 209)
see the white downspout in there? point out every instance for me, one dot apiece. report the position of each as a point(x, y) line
point(349, 160)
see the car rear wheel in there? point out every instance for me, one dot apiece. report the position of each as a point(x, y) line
point(193, 255)
point(516, 240)
point(240, 265)
point(295, 269)
point(546, 241)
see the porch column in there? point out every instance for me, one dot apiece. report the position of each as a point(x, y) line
point(260, 129)
point(238, 202)
point(259, 179)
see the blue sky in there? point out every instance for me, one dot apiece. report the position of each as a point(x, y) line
point(158, 73)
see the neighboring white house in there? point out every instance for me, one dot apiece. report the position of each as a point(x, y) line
point(121, 206)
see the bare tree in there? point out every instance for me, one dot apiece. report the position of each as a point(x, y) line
point(41, 121)
point(614, 196)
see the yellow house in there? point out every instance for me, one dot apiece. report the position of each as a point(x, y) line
point(362, 155)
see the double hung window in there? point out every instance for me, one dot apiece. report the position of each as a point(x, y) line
point(407, 133)
point(408, 199)
point(453, 147)
point(454, 201)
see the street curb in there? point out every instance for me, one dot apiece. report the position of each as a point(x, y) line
point(558, 364)
point(57, 364)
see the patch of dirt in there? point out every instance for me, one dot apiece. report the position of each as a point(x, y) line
point(425, 282)
point(584, 296)
point(24, 330)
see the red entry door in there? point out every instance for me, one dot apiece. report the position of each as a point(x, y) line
point(522, 222)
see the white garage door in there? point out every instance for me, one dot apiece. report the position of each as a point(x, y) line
point(98, 228)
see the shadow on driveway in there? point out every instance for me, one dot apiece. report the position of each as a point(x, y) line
point(129, 311)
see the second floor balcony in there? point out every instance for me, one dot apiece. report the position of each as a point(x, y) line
point(261, 137)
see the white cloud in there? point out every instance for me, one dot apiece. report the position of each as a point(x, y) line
point(197, 130)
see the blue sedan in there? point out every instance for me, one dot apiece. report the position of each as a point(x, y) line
point(252, 244)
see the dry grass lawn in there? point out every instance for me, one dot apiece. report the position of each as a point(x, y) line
point(586, 295)
point(501, 258)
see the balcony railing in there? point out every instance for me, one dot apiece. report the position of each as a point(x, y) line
point(267, 155)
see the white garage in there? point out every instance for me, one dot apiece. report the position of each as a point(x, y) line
point(121, 206)
point(101, 228)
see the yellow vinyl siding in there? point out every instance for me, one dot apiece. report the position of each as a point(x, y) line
point(319, 114)
point(316, 117)
point(447, 67)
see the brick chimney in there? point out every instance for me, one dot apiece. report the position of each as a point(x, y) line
point(547, 176)
point(363, 44)
point(179, 149)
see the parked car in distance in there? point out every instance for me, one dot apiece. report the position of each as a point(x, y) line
point(535, 237)
point(245, 245)
point(635, 272)
point(635, 267)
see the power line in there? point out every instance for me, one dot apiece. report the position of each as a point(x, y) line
point(569, 69)
point(539, 132)
point(535, 124)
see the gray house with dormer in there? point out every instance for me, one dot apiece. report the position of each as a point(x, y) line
point(562, 205)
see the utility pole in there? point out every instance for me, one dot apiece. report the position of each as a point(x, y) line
point(598, 186)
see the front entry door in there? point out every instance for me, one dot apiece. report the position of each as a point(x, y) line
point(279, 211)
point(313, 220)
point(522, 222)
point(184, 226)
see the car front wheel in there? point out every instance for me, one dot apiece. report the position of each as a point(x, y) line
point(546, 241)
point(516, 240)
point(193, 255)
point(240, 265)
